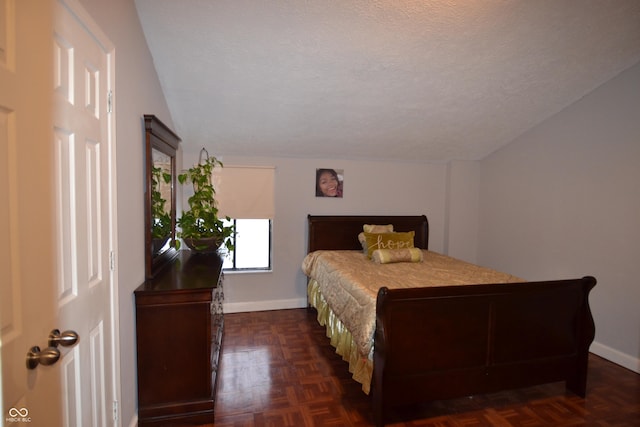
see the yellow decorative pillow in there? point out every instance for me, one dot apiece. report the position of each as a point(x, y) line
point(388, 241)
point(373, 228)
point(388, 256)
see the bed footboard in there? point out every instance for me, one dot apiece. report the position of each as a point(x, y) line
point(453, 341)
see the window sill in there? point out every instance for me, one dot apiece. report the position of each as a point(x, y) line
point(247, 271)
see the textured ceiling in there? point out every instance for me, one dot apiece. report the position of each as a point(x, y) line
point(397, 79)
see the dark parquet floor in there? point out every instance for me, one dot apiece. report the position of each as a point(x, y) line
point(278, 369)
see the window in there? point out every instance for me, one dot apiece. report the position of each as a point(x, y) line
point(245, 193)
point(252, 246)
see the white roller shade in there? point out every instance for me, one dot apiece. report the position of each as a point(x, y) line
point(245, 192)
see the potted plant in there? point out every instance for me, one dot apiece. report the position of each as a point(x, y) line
point(200, 227)
point(161, 220)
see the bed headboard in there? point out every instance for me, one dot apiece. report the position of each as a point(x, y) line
point(341, 232)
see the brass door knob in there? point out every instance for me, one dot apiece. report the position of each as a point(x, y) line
point(65, 339)
point(48, 356)
point(51, 354)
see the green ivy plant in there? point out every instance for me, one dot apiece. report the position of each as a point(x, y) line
point(161, 226)
point(201, 220)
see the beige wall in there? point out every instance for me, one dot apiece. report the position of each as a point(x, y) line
point(371, 187)
point(137, 92)
point(461, 210)
point(563, 200)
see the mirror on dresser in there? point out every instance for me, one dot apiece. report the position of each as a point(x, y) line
point(161, 145)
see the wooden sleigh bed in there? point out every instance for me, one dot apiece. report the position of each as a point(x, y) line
point(441, 342)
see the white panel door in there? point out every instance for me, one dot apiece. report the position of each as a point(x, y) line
point(82, 152)
point(59, 218)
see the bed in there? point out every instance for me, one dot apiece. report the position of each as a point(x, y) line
point(432, 342)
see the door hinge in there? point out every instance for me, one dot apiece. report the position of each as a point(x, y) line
point(110, 101)
point(112, 261)
point(115, 410)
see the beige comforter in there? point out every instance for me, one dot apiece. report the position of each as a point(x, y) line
point(349, 282)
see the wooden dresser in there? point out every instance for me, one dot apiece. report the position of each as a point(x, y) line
point(179, 328)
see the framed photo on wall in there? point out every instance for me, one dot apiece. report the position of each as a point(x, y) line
point(329, 182)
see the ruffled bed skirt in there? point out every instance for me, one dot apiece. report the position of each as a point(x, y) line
point(361, 367)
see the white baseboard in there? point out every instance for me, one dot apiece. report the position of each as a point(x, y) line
point(242, 307)
point(615, 356)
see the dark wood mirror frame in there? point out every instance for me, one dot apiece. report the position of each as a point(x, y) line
point(159, 138)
